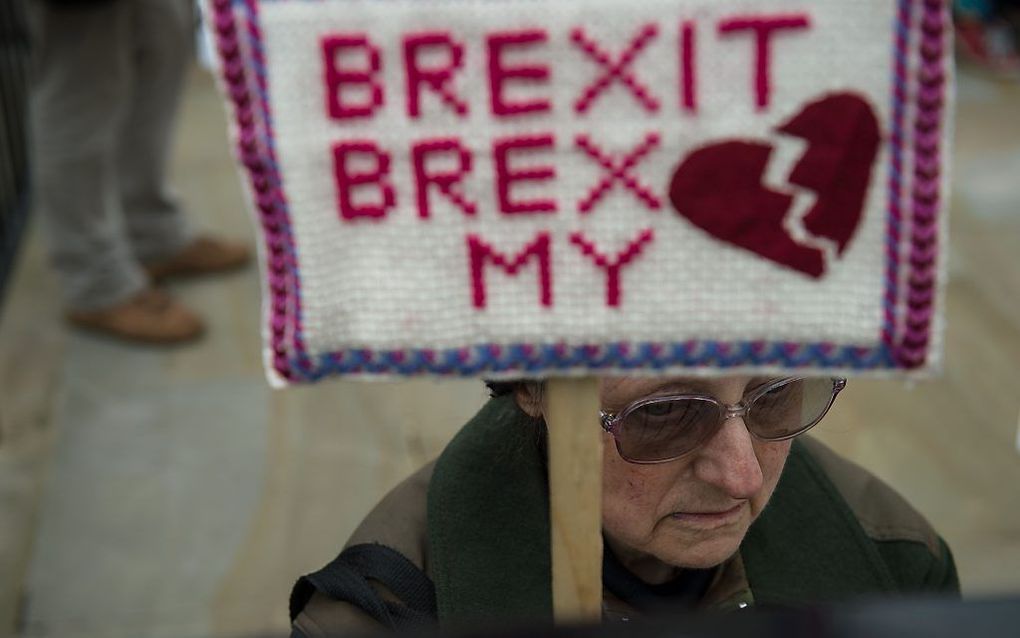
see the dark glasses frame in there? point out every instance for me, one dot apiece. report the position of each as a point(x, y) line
point(611, 421)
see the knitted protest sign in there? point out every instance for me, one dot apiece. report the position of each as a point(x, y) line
point(527, 188)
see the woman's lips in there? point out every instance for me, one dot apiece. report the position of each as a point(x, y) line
point(710, 519)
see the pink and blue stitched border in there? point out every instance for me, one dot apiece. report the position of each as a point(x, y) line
point(903, 344)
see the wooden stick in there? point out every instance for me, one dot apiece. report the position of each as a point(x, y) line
point(575, 491)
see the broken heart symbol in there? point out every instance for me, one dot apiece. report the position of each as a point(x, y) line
point(720, 189)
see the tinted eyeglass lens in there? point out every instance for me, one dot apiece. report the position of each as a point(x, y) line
point(666, 429)
point(789, 408)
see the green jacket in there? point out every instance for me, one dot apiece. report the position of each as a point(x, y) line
point(476, 522)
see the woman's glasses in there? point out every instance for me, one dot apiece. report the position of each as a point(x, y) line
point(665, 428)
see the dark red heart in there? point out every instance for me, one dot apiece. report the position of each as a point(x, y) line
point(719, 187)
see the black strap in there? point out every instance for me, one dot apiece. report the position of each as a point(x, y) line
point(346, 579)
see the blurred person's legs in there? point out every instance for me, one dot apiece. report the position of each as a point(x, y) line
point(162, 46)
point(161, 37)
point(163, 41)
point(78, 105)
point(108, 80)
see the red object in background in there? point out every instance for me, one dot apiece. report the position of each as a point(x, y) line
point(991, 44)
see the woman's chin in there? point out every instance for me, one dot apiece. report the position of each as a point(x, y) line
point(702, 561)
point(701, 553)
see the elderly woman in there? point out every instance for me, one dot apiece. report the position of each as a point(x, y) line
point(709, 500)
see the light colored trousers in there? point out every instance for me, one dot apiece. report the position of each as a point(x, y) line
point(106, 86)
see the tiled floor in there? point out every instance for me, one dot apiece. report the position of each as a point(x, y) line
point(171, 493)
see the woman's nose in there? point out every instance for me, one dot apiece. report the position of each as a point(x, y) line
point(729, 462)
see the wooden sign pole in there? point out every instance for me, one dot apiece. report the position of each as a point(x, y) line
point(575, 498)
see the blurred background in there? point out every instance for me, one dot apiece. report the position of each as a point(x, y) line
point(170, 492)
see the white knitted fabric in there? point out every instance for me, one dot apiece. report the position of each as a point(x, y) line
point(403, 282)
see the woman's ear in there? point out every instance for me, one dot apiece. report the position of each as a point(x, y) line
point(529, 398)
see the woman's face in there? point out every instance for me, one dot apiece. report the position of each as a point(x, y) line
point(694, 511)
